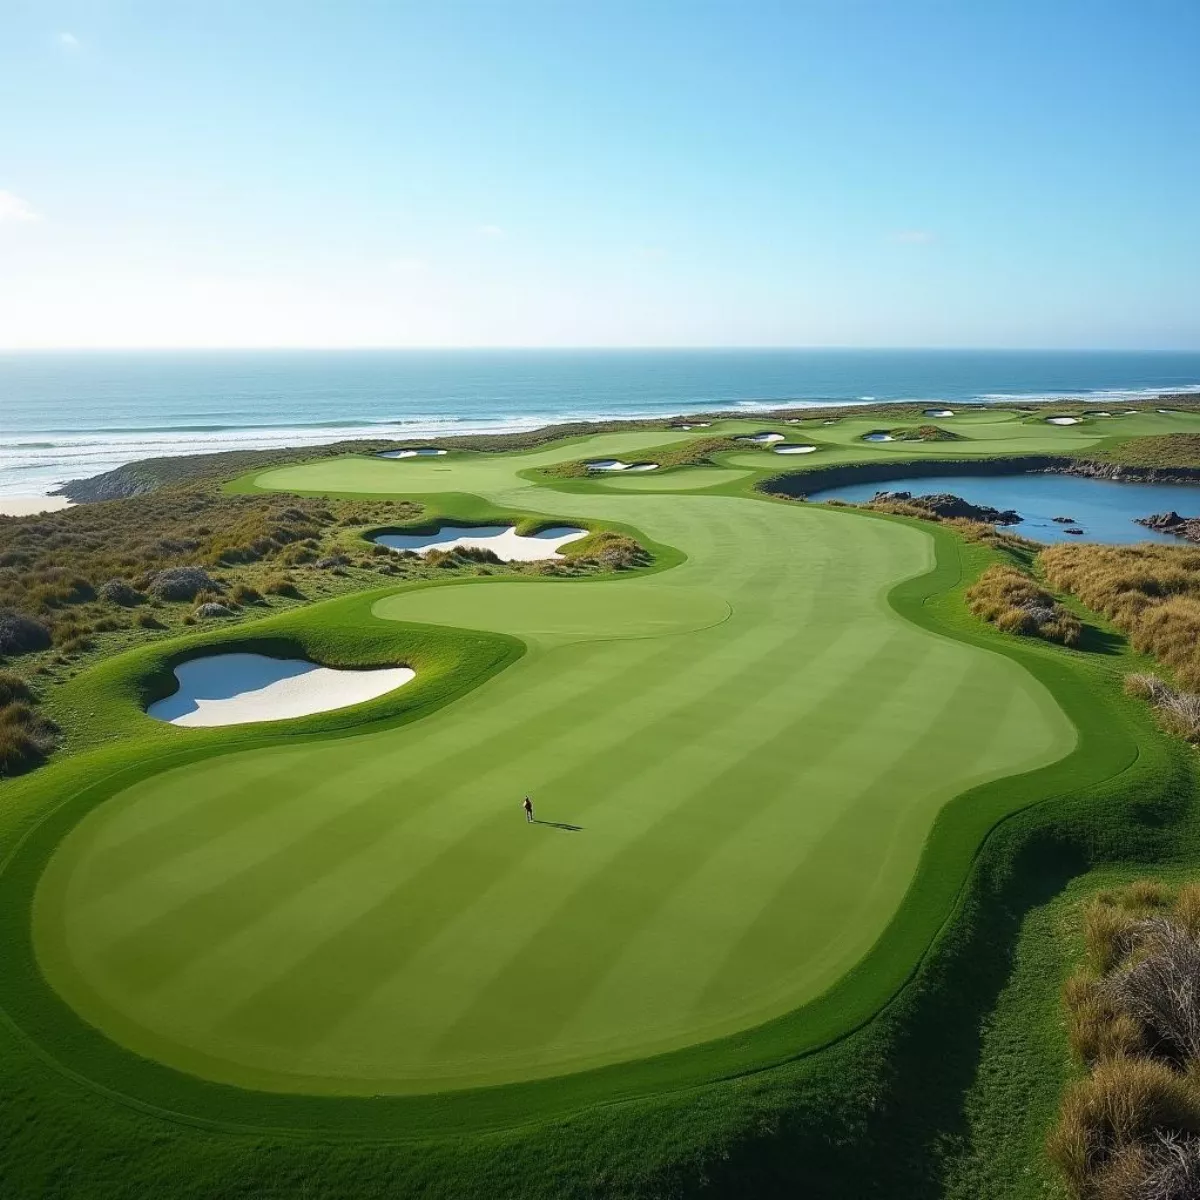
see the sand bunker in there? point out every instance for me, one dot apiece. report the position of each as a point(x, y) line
point(690, 425)
point(615, 464)
point(939, 412)
point(233, 689)
point(1097, 414)
point(763, 439)
point(412, 452)
point(878, 437)
point(794, 449)
point(1062, 420)
point(501, 540)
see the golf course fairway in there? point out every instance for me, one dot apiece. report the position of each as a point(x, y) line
point(735, 763)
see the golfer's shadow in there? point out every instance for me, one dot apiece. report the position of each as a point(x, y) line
point(559, 825)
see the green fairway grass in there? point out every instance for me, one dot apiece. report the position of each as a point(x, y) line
point(797, 799)
point(754, 746)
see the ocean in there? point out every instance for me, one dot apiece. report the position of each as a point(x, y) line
point(69, 415)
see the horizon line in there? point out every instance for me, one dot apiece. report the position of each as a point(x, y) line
point(666, 348)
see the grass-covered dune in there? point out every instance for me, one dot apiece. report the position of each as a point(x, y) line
point(800, 807)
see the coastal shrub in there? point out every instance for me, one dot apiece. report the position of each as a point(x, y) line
point(122, 592)
point(1150, 591)
point(1131, 1126)
point(21, 634)
point(243, 593)
point(612, 551)
point(13, 687)
point(26, 737)
point(182, 583)
point(1125, 1101)
point(1178, 712)
point(281, 585)
point(1013, 602)
point(147, 620)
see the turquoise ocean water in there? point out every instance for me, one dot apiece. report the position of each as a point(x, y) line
point(68, 415)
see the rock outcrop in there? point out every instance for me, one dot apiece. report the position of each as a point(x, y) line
point(1172, 522)
point(946, 504)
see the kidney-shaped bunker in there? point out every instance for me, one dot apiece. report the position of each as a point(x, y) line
point(234, 689)
point(501, 540)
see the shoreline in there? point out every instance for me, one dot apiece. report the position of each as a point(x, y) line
point(35, 460)
point(30, 506)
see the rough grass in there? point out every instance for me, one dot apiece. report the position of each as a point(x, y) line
point(694, 453)
point(1149, 591)
point(1131, 1126)
point(1164, 450)
point(1012, 601)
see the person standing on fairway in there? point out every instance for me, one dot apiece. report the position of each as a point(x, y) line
point(528, 807)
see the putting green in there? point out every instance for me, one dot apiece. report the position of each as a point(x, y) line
point(736, 763)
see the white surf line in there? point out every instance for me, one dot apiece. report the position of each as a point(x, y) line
point(411, 452)
point(235, 689)
point(502, 540)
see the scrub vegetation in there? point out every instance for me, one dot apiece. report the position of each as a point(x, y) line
point(1165, 451)
point(1012, 601)
point(1151, 591)
point(697, 452)
point(1130, 1128)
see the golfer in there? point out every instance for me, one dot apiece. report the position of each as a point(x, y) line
point(528, 807)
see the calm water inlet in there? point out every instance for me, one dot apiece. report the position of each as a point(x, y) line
point(1105, 511)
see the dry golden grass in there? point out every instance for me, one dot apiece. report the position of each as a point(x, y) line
point(1130, 1130)
point(1013, 602)
point(1149, 591)
point(1125, 1101)
point(1098, 1028)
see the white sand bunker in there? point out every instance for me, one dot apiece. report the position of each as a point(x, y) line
point(878, 437)
point(1095, 413)
point(234, 689)
point(794, 448)
point(412, 452)
point(615, 464)
point(939, 412)
point(1062, 420)
point(690, 425)
point(762, 439)
point(502, 540)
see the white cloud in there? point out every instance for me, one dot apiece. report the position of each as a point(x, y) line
point(915, 237)
point(13, 208)
point(68, 41)
point(491, 231)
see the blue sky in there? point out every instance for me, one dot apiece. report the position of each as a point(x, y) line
point(1005, 173)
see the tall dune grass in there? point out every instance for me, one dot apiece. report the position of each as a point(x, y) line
point(1130, 1128)
point(1011, 600)
point(1149, 591)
